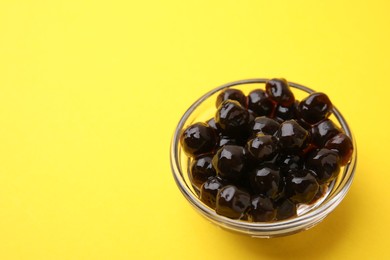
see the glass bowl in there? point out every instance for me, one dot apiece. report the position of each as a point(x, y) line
point(307, 215)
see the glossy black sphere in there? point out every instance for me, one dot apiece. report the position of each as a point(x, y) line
point(232, 118)
point(315, 107)
point(283, 113)
point(324, 163)
point(262, 147)
point(301, 186)
point(323, 132)
point(209, 190)
point(266, 180)
point(231, 94)
point(201, 169)
point(197, 139)
point(211, 123)
point(288, 162)
point(292, 136)
point(342, 144)
point(262, 209)
point(229, 162)
point(232, 202)
point(264, 125)
point(227, 140)
point(260, 103)
point(279, 91)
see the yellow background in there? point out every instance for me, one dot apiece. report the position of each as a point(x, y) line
point(90, 94)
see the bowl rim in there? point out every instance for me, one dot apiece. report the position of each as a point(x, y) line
point(309, 218)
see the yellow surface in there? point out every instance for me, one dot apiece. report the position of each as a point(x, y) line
point(91, 91)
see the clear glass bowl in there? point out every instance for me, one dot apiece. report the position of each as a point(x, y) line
point(308, 216)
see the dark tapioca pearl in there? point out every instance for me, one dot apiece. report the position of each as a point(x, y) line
point(231, 94)
point(279, 91)
point(342, 144)
point(262, 209)
point(209, 190)
point(197, 139)
point(292, 136)
point(264, 125)
point(229, 162)
point(283, 113)
point(324, 163)
point(301, 186)
point(315, 107)
point(211, 123)
point(232, 118)
point(323, 132)
point(260, 103)
point(226, 140)
point(232, 202)
point(285, 209)
point(266, 180)
point(262, 147)
point(201, 169)
point(288, 162)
